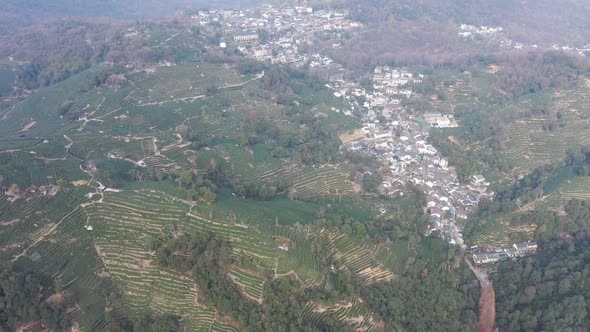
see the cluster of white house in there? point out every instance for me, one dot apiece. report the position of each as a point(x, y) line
point(517, 250)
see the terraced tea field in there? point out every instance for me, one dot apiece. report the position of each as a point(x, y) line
point(322, 181)
point(123, 223)
point(47, 234)
point(27, 220)
point(497, 234)
point(359, 258)
point(355, 313)
point(529, 146)
point(250, 284)
point(576, 188)
point(299, 258)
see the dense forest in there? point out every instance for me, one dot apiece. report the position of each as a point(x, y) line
point(531, 72)
point(425, 32)
point(426, 301)
point(546, 291)
point(523, 21)
point(24, 300)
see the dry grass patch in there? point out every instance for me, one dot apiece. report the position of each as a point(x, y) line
point(349, 137)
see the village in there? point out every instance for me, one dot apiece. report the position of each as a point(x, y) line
point(278, 35)
point(398, 139)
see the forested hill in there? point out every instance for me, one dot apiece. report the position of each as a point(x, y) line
point(427, 32)
point(548, 291)
point(16, 14)
point(545, 292)
point(531, 22)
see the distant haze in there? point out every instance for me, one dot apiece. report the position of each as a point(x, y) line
point(15, 14)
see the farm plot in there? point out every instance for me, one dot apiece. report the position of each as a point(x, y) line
point(576, 188)
point(86, 143)
point(122, 223)
point(69, 256)
point(394, 257)
point(181, 155)
point(224, 116)
point(530, 145)
point(299, 258)
point(58, 247)
point(24, 220)
point(252, 167)
point(163, 84)
point(248, 242)
point(354, 313)
point(250, 284)
point(134, 148)
point(497, 233)
point(359, 258)
point(42, 108)
point(278, 210)
point(321, 181)
point(26, 169)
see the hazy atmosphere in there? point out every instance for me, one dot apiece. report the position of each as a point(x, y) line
point(379, 165)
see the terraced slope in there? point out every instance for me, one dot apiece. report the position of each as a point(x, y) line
point(122, 224)
point(529, 144)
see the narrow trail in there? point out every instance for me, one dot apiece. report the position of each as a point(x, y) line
point(46, 234)
point(193, 98)
point(487, 301)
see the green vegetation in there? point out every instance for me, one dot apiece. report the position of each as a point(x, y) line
point(7, 79)
point(545, 291)
point(228, 204)
point(21, 301)
point(430, 297)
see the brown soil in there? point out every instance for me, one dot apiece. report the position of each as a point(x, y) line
point(492, 69)
point(56, 298)
point(487, 310)
point(28, 127)
point(9, 247)
point(346, 137)
point(28, 326)
point(454, 140)
point(9, 222)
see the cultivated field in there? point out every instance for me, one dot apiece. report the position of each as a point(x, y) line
point(355, 313)
point(529, 145)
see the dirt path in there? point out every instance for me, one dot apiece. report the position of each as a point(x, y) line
point(46, 234)
point(487, 301)
point(193, 98)
point(69, 145)
point(487, 310)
